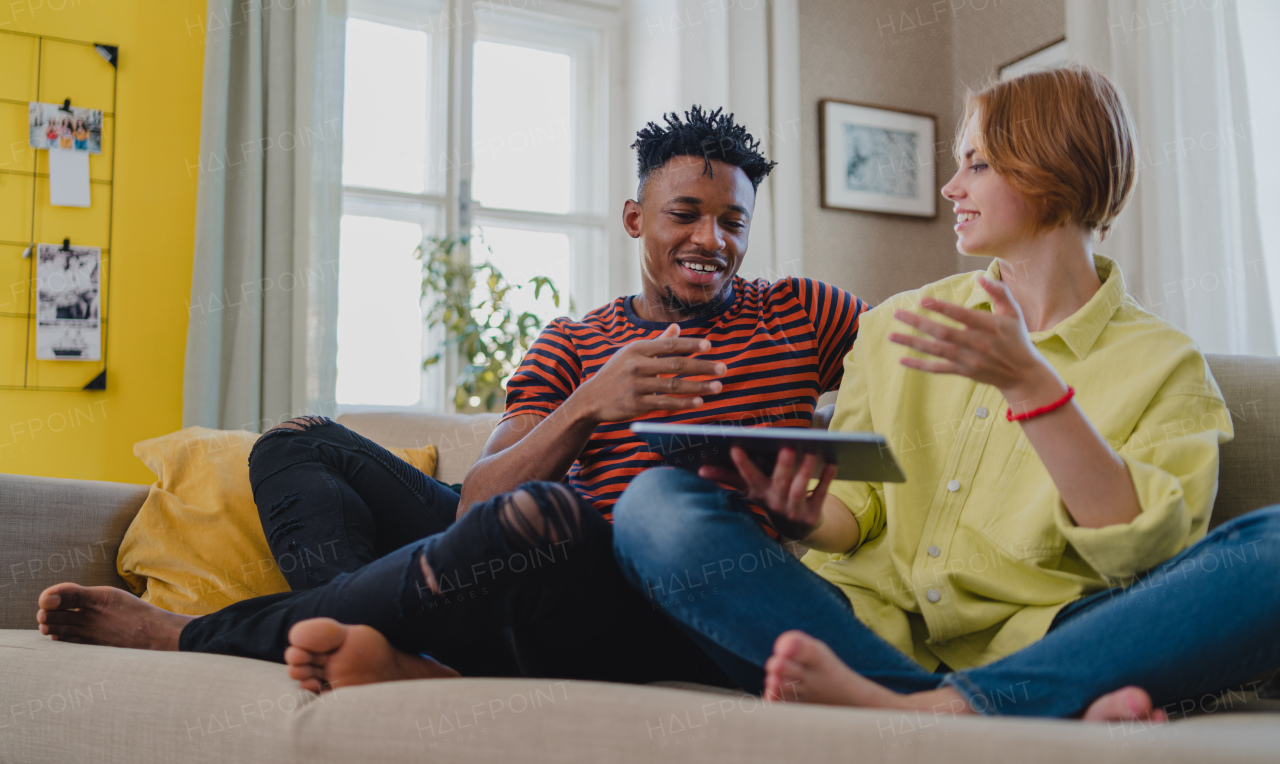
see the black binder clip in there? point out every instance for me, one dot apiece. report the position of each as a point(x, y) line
point(66, 105)
point(66, 245)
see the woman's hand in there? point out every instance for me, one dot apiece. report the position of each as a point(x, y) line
point(992, 348)
point(796, 513)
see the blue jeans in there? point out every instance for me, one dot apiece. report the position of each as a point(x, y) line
point(1204, 621)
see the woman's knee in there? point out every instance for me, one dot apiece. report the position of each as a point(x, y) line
point(1260, 525)
point(655, 518)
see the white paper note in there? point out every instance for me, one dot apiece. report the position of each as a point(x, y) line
point(68, 178)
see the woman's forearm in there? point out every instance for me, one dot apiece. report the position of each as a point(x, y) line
point(839, 530)
point(1092, 479)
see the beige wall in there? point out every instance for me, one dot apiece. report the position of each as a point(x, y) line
point(996, 35)
point(911, 55)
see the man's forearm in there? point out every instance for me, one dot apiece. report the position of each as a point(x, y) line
point(546, 453)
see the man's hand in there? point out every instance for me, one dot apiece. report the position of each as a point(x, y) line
point(632, 383)
point(796, 513)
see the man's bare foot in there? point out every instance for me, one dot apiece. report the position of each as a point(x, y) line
point(805, 669)
point(324, 654)
point(1128, 704)
point(105, 615)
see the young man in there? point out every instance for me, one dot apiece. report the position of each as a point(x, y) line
point(525, 581)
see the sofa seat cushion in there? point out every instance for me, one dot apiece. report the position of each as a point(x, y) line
point(67, 702)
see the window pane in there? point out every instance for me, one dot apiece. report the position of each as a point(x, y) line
point(521, 112)
point(521, 255)
point(379, 314)
point(384, 140)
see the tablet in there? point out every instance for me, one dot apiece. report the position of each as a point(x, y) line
point(857, 455)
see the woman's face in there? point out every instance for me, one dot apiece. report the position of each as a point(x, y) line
point(990, 216)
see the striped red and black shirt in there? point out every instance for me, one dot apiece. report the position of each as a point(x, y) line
point(783, 342)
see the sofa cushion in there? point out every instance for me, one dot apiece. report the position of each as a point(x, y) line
point(458, 438)
point(66, 702)
point(1249, 471)
point(197, 544)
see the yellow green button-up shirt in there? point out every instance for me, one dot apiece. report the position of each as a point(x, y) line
point(971, 558)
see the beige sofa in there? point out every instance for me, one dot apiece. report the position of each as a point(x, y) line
point(62, 702)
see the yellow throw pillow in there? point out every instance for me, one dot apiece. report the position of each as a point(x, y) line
point(197, 545)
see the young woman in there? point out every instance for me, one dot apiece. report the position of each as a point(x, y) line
point(1047, 554)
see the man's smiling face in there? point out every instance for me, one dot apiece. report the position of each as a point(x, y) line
point(693, 227)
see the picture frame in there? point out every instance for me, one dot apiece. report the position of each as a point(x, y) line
point(1048, 56)
point(877, 159)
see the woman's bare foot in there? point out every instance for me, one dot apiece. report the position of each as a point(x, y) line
point(1125, 705)
point(804, 669)
point(105, 615)
point(324, 654)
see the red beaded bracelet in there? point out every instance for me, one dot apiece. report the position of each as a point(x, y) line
point(1071, 391)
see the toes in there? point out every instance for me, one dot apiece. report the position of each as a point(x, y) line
point(60, 596)
point(318, 635)
point(789, 644)
point(59, 617)
point(311, 685)
point(304, 672)
point(802, 649)
point(63, 633)
point(782, 678)
point(298, 657)
point(1127, 703)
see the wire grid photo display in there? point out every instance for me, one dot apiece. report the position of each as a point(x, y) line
point(877, 160)
point(57, 96)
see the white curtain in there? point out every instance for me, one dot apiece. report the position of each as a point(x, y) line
point(1189, 241)
point(745, 57)
point(261, 341)
point(1259, 28)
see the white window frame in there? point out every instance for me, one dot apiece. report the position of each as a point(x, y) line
point(590, 32)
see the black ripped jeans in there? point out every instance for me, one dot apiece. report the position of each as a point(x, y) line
point(348, 523)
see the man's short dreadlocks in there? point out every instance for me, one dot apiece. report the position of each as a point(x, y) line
point(710, 136)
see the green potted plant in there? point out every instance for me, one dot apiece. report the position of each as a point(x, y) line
point(480, 325)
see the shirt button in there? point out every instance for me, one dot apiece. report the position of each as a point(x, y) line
point(934, 551)
point(934, 595)
point(982, 412)
point(953, 486)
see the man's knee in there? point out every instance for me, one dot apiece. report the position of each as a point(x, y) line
point(300, 424)
point(543, 513)
point(275, 444)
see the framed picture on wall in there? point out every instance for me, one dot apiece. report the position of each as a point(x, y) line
point(875, 159)
point(1047, 57)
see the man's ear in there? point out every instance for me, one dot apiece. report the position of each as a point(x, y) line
point(632, 218)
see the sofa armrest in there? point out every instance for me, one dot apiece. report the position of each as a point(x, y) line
point(59, 530)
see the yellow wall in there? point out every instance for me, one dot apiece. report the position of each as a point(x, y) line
point(90, 435)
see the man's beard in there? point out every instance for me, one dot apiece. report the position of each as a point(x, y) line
point(690, 310)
